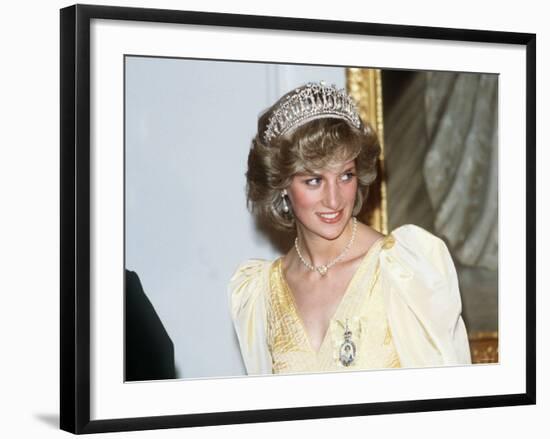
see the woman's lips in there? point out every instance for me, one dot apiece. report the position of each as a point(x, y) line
point(330, 217)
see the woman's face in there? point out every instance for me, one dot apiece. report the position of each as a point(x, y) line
point(323, 202)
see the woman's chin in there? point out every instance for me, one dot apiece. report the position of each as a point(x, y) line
point(326, 228)
point(330, 231)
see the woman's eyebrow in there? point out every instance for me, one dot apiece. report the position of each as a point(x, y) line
point(308, 174)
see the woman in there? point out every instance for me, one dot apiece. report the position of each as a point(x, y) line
point(344, 297)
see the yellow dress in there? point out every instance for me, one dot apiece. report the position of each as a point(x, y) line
point(402, 309)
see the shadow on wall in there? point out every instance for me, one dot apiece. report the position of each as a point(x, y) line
point(149, 351)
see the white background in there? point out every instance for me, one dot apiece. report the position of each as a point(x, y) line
point(29, 249)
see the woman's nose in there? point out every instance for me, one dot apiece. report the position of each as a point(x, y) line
point(332, 195)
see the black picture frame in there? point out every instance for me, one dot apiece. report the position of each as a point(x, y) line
point(76, 211)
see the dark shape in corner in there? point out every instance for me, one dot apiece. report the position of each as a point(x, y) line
point(149, 351)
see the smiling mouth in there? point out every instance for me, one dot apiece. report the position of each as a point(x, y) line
point(331, 217)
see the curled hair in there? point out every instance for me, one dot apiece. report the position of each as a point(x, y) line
point(311, 146)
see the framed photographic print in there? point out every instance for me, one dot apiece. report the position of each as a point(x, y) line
point(252, 205)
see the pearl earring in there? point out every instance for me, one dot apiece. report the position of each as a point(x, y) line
point(286, 209)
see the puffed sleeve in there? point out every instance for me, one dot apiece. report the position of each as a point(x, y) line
point(422, 299)
point(247, 292)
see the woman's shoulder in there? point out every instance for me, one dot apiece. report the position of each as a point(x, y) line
point(410, 249)
point(411, 234)
point(422, 297)
point(248, 282)
point(247, 290)
point(413, 245)
point(251, 267)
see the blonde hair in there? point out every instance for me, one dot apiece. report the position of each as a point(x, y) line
point(312, 146)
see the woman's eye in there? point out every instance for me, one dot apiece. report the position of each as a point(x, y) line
point(313, 181)
point(348, 176)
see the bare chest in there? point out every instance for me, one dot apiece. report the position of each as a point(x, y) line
point(317, 301)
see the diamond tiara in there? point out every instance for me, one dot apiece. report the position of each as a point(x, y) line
point(309, 102)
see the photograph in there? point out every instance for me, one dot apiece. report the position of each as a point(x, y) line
point(298, 219)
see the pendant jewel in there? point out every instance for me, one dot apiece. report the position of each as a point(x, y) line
point(322, 269)
point(348, 350)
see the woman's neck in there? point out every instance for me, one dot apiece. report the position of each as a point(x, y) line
point(320, 251)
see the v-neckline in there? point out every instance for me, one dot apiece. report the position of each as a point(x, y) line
point(344, 298)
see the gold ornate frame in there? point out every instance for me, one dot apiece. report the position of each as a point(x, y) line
point(365, 86)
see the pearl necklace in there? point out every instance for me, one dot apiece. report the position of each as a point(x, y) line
point(322, 269)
